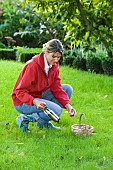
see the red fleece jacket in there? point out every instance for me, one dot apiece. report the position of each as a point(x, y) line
point(33, 80)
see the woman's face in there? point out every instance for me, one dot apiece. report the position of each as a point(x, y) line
point(53, 58)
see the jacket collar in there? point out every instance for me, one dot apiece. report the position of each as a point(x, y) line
point(39, 59)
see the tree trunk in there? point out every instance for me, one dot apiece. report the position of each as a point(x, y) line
point(107, 48)
point(83, 16)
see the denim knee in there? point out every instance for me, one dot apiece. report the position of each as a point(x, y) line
point(58, 111)
point(68, 89)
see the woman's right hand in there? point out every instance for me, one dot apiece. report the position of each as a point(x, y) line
point(39, 104)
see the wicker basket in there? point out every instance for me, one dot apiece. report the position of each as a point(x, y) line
point(83, 129)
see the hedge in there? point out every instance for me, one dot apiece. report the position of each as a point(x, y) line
point(19, 53)
point(25, 54)
point(93, 64)
point(7, 54)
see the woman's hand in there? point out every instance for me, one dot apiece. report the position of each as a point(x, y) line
point(70, 110)
point(39, 104)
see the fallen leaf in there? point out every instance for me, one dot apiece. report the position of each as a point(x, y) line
point(19, 143)
point(104, 158)
point(21, 154)
point(106, 96)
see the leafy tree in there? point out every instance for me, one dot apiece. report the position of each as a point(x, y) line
point(16, 17)
point(27, 25)
point(89, 21)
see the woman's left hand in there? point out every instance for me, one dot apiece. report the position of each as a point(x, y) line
point(70, 110)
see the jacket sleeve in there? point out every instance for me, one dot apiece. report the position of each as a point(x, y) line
point(25, 80)
point(58, 91)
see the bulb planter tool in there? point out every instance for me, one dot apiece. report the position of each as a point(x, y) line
point(50, 113)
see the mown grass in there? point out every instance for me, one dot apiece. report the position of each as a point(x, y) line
point(59, 150)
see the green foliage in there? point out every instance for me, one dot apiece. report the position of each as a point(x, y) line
point(25, 54)
point(89, 22)
point(80, 63)
point(77, 52)
point(59, 150)
point(65, 54)
point(2, 45)
point(99, 64)
point(107, 65)
point(19, 53)
point(94, 64)
point(29, 26)
point(68, 60)
point(74, 51)
point(33, 23)
point(7, 54)
point(101, 53)
point(19, 17)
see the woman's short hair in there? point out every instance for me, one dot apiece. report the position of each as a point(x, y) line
point(53, 45)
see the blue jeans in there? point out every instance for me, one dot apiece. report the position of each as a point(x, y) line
point(50, 101)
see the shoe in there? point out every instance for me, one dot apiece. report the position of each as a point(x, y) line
point(22, 122)
point(48, 125)
point(24, 126)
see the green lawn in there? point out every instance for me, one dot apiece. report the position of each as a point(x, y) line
point(59, 150)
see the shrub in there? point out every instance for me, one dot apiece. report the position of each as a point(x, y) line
point(107, 65)
point(7, 54)
point(61, 60)
point(77, 52)
point(65, 54)
point(94, 64)
point(25, 54)
point(79, 63)
point(2, 45)
point(101, 53)
point(29, 27)
point(68, 60)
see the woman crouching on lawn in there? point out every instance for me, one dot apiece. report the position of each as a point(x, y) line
point(39, 82)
